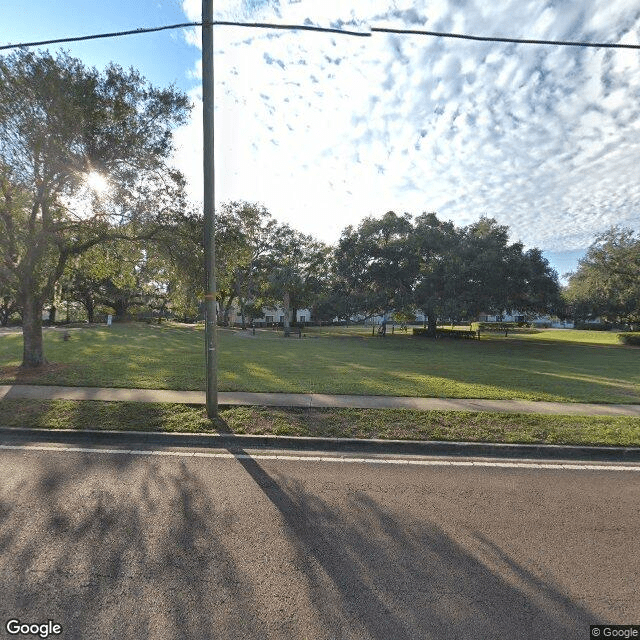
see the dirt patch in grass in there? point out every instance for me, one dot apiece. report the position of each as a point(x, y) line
point(25, 375)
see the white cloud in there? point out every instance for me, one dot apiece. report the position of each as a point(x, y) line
point(326, 129)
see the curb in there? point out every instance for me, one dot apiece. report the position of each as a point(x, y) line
point(352, 445)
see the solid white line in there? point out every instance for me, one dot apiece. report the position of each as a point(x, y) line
point(293, 458)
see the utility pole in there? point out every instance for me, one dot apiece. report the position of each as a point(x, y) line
point(209, 209)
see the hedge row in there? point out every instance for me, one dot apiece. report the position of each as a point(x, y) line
point(498, 326)
point(631, 338)
point(447, 333)
point(593, 326)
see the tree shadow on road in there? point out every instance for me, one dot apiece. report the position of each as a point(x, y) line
point(378, 576)
point(112, 548)
point(128, 546)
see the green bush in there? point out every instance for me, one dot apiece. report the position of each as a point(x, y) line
point(456, 333)
point(630, 337)
point(499, 326)
point(445, 333)
point(593, 326)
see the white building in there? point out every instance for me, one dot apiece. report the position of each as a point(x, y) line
point(538, 320)
point(269, 317)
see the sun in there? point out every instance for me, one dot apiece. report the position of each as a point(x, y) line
point(97, 182)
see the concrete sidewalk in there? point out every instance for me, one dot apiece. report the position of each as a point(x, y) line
point(315, 400)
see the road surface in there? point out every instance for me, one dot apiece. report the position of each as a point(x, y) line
point(180, 546)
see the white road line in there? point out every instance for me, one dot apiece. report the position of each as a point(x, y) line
point(294, 458)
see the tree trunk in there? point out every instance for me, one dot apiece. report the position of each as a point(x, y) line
point(120, 307)
point(6, 309)
point(88, 305)
point(227, 310)
point(432, 325)
point(241, 301)
point(52, 314)
point(32, 353)
point(287, 329)
point(242, 313)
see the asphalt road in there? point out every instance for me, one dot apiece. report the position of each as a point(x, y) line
point(188, 547)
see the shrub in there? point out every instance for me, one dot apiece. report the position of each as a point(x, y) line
point(593, 326)
point(445, 333)
point(499, 326)
point(456, 333)
point(630, 337)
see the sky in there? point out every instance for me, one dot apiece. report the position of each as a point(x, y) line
point(326, 129)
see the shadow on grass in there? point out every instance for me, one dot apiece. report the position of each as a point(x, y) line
point(167, 357)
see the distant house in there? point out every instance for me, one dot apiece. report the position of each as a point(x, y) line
point(535, 320)
point(269, 317)
point(552, 322)
point(516, 316)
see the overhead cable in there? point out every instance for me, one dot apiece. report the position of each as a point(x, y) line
point(97, 36)
point(366, 32)
point(464, 36)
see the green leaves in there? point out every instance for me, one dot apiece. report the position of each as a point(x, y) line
point(607, 282)
point(376, 264)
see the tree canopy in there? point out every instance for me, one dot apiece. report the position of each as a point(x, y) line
point(607, 281)
point(444, 271)
point(85, 179)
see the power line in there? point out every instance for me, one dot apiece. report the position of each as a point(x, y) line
point(184, 25)
point(462, 36)
point(345, 32)
point(294, 27)
point(96, 36)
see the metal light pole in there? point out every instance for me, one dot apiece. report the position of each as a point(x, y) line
point(209, 209)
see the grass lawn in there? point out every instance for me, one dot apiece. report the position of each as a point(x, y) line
point(578, 336)
point(397, 424)
point(560, 365)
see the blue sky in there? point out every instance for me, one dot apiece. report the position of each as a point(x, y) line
point(164, 57)
point(325, 130)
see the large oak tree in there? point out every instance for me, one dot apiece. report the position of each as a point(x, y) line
point(376, 264)
point(83, 155)
point(444, 271)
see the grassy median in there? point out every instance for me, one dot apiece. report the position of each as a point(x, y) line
point(401, 424)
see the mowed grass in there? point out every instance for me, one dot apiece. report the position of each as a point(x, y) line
point(552, 365)
point(575, 336)
point(396, 424)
